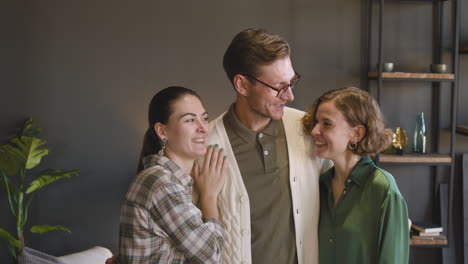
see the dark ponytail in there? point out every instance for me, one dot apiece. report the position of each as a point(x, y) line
point(159, 112)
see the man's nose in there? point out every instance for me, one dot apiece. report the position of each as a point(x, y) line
point(288, 95)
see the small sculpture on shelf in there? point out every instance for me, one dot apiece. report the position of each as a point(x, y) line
point(419, 143)
point(400, 140)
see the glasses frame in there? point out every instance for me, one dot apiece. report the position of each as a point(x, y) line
point(281, 91)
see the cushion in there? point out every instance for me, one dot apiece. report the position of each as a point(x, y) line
point(95, 255)
point(32, 256)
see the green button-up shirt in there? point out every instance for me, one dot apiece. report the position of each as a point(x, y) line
point(369, 224)
point(263, 162)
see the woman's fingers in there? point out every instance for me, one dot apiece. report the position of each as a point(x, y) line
point(220, 161)
point(209, 178)
point(214, 157)
point(208, 154)
point(225, 166)
point(195, 170)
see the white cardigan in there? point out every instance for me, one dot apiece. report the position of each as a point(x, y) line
point(304, 171)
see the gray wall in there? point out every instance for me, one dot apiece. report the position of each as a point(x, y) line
point(87, 70)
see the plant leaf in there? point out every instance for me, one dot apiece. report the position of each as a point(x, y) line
point(9, 238)
point(40, 229)
point(29, 129)
point(27, 150)
point(8, 163)
point(14, 157)
point(48, 177)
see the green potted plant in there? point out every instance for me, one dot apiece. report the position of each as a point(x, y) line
point(22, 153)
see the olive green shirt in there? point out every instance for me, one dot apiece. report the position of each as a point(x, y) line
point(263, 162)
point(369, 224)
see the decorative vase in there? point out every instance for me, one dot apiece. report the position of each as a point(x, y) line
point(419, 144)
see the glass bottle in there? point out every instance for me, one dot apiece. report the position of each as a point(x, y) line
point(419, 144)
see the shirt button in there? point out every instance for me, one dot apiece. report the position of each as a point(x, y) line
point(245, 232)
point(331, 240)
point(260, 135)
point(344, 192)
point(349, 180)
point(265, 152)
point(297, 211)
point(243, 199)
point(294, 179)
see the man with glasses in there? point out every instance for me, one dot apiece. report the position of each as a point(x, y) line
point(269, 204)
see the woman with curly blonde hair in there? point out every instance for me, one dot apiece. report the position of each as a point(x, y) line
point(363, 216)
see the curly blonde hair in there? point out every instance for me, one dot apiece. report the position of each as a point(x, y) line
point(359, 108)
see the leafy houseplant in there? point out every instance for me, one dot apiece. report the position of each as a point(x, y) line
point(18, 157)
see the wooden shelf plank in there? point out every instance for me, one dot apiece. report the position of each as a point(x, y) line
point(415, 158)
point(464, 49)
point(430, 241)
point(462, 130)
point(413, 76)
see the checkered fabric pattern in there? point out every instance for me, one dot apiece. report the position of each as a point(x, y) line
point(159, 222)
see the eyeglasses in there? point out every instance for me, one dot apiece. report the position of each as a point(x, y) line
point(280, 90)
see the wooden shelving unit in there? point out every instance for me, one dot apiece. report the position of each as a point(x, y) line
point(444, 155)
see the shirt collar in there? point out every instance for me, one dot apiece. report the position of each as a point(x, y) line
point(362, 171)
point(177, 172)
point(358, 175)
point(249, 136)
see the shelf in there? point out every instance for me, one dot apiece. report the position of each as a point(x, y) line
point(413, 76)
point(430, 241)
point(424, 1)
point(464, 49)
point(462, 130)
point(414, 159)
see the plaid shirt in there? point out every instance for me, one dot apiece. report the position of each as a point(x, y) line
point(160, 224)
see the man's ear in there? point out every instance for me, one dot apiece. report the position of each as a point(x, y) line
point(240, 84)
point(160, 130)
point(359, 132)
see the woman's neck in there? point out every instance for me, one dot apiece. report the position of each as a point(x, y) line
point(184, 164)
point(344, 167)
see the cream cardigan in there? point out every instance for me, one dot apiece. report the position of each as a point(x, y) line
point(304, 171)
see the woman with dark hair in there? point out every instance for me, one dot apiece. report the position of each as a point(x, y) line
point(158, 222)
point(363, 216)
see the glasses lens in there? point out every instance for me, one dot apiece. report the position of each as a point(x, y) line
point(294, 81)
point(291, 85)
point(283, 90)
